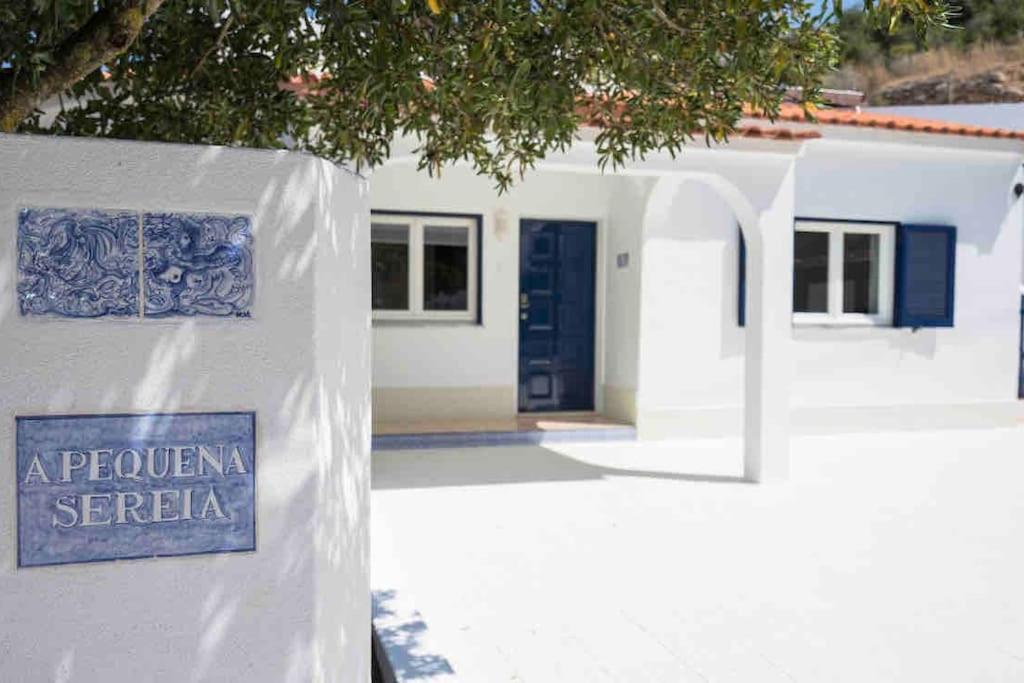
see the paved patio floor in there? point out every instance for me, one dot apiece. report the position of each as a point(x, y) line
point(895, 557)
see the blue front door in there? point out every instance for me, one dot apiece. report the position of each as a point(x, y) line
point(556, 315)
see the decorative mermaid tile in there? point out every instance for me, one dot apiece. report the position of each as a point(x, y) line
point(197, 264)
point(78, 263)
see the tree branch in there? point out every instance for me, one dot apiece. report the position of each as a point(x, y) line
point(104, 36)
point(213, 48)
point(659, 12)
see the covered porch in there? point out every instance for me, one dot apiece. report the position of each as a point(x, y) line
point(436, 382)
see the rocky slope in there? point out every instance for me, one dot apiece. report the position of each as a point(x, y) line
point(1003, 83)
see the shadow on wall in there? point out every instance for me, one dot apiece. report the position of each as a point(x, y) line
point(309, 440)
point(505, 465)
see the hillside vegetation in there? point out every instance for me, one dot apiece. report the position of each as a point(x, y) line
point(979, 59)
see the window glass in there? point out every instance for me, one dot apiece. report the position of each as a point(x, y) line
point(445, 268)
point(860, 272)
point(810, 272)
point(389, 253)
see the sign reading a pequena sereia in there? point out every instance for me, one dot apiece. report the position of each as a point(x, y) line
point(107, 487)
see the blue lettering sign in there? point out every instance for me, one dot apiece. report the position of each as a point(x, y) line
point(107, 487)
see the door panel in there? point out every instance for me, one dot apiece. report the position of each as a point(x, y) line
point(556, 315)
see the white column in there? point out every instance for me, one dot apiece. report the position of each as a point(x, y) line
point(768, 335)
point(769, 240)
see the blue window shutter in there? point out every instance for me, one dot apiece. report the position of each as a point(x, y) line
point(741, 304)
point(925, 274)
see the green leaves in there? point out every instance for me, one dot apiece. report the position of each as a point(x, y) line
point(890, 15)
point(497, 84)
point(977, 22)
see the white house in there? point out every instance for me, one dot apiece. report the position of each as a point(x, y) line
point(880, 283)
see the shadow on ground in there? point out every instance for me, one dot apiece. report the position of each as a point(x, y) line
point(431, 468)
point(400, 631)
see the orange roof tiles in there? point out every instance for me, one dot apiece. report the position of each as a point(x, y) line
point(775, 133)
point(591, 118)
point(794, 113)
point(304, 85)
point(852, 117)
point(309, 84)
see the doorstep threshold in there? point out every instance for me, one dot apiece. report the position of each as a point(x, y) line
point(524, 437)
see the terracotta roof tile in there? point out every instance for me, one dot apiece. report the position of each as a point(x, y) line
point(850, 117)
point(774, 133)
point(310, 84)
point(591, 118)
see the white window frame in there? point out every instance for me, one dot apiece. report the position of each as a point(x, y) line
point(886, 270)
point(416, 224)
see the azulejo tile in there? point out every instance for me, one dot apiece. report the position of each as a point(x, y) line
point(78, 263)
point(197, 264)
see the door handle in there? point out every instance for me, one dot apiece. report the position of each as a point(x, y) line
point(524, 301)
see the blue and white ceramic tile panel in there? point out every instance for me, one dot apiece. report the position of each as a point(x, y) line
point(78, 264)
point(88, 263)
point(197, 264)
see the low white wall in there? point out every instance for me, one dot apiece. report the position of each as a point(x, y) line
point(296, 609)
point(844, 378)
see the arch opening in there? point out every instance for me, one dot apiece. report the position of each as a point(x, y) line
point(765, 402)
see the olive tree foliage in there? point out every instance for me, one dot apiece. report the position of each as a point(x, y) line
point(498, 83)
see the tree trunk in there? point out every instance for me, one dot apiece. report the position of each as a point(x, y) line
point(105, 35)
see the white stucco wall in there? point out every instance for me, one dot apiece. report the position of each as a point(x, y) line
point(672, 354)
point(691, 347)
point(465, 370)
point(843, 378)
point(628, 200)
point(971, 367)
point(296, 609)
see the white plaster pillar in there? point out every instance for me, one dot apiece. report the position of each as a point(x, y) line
point(768, 339)
point(768, 231)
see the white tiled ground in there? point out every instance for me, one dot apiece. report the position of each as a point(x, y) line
point(886, 558)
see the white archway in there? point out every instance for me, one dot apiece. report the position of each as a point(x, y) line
point(767, 367)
